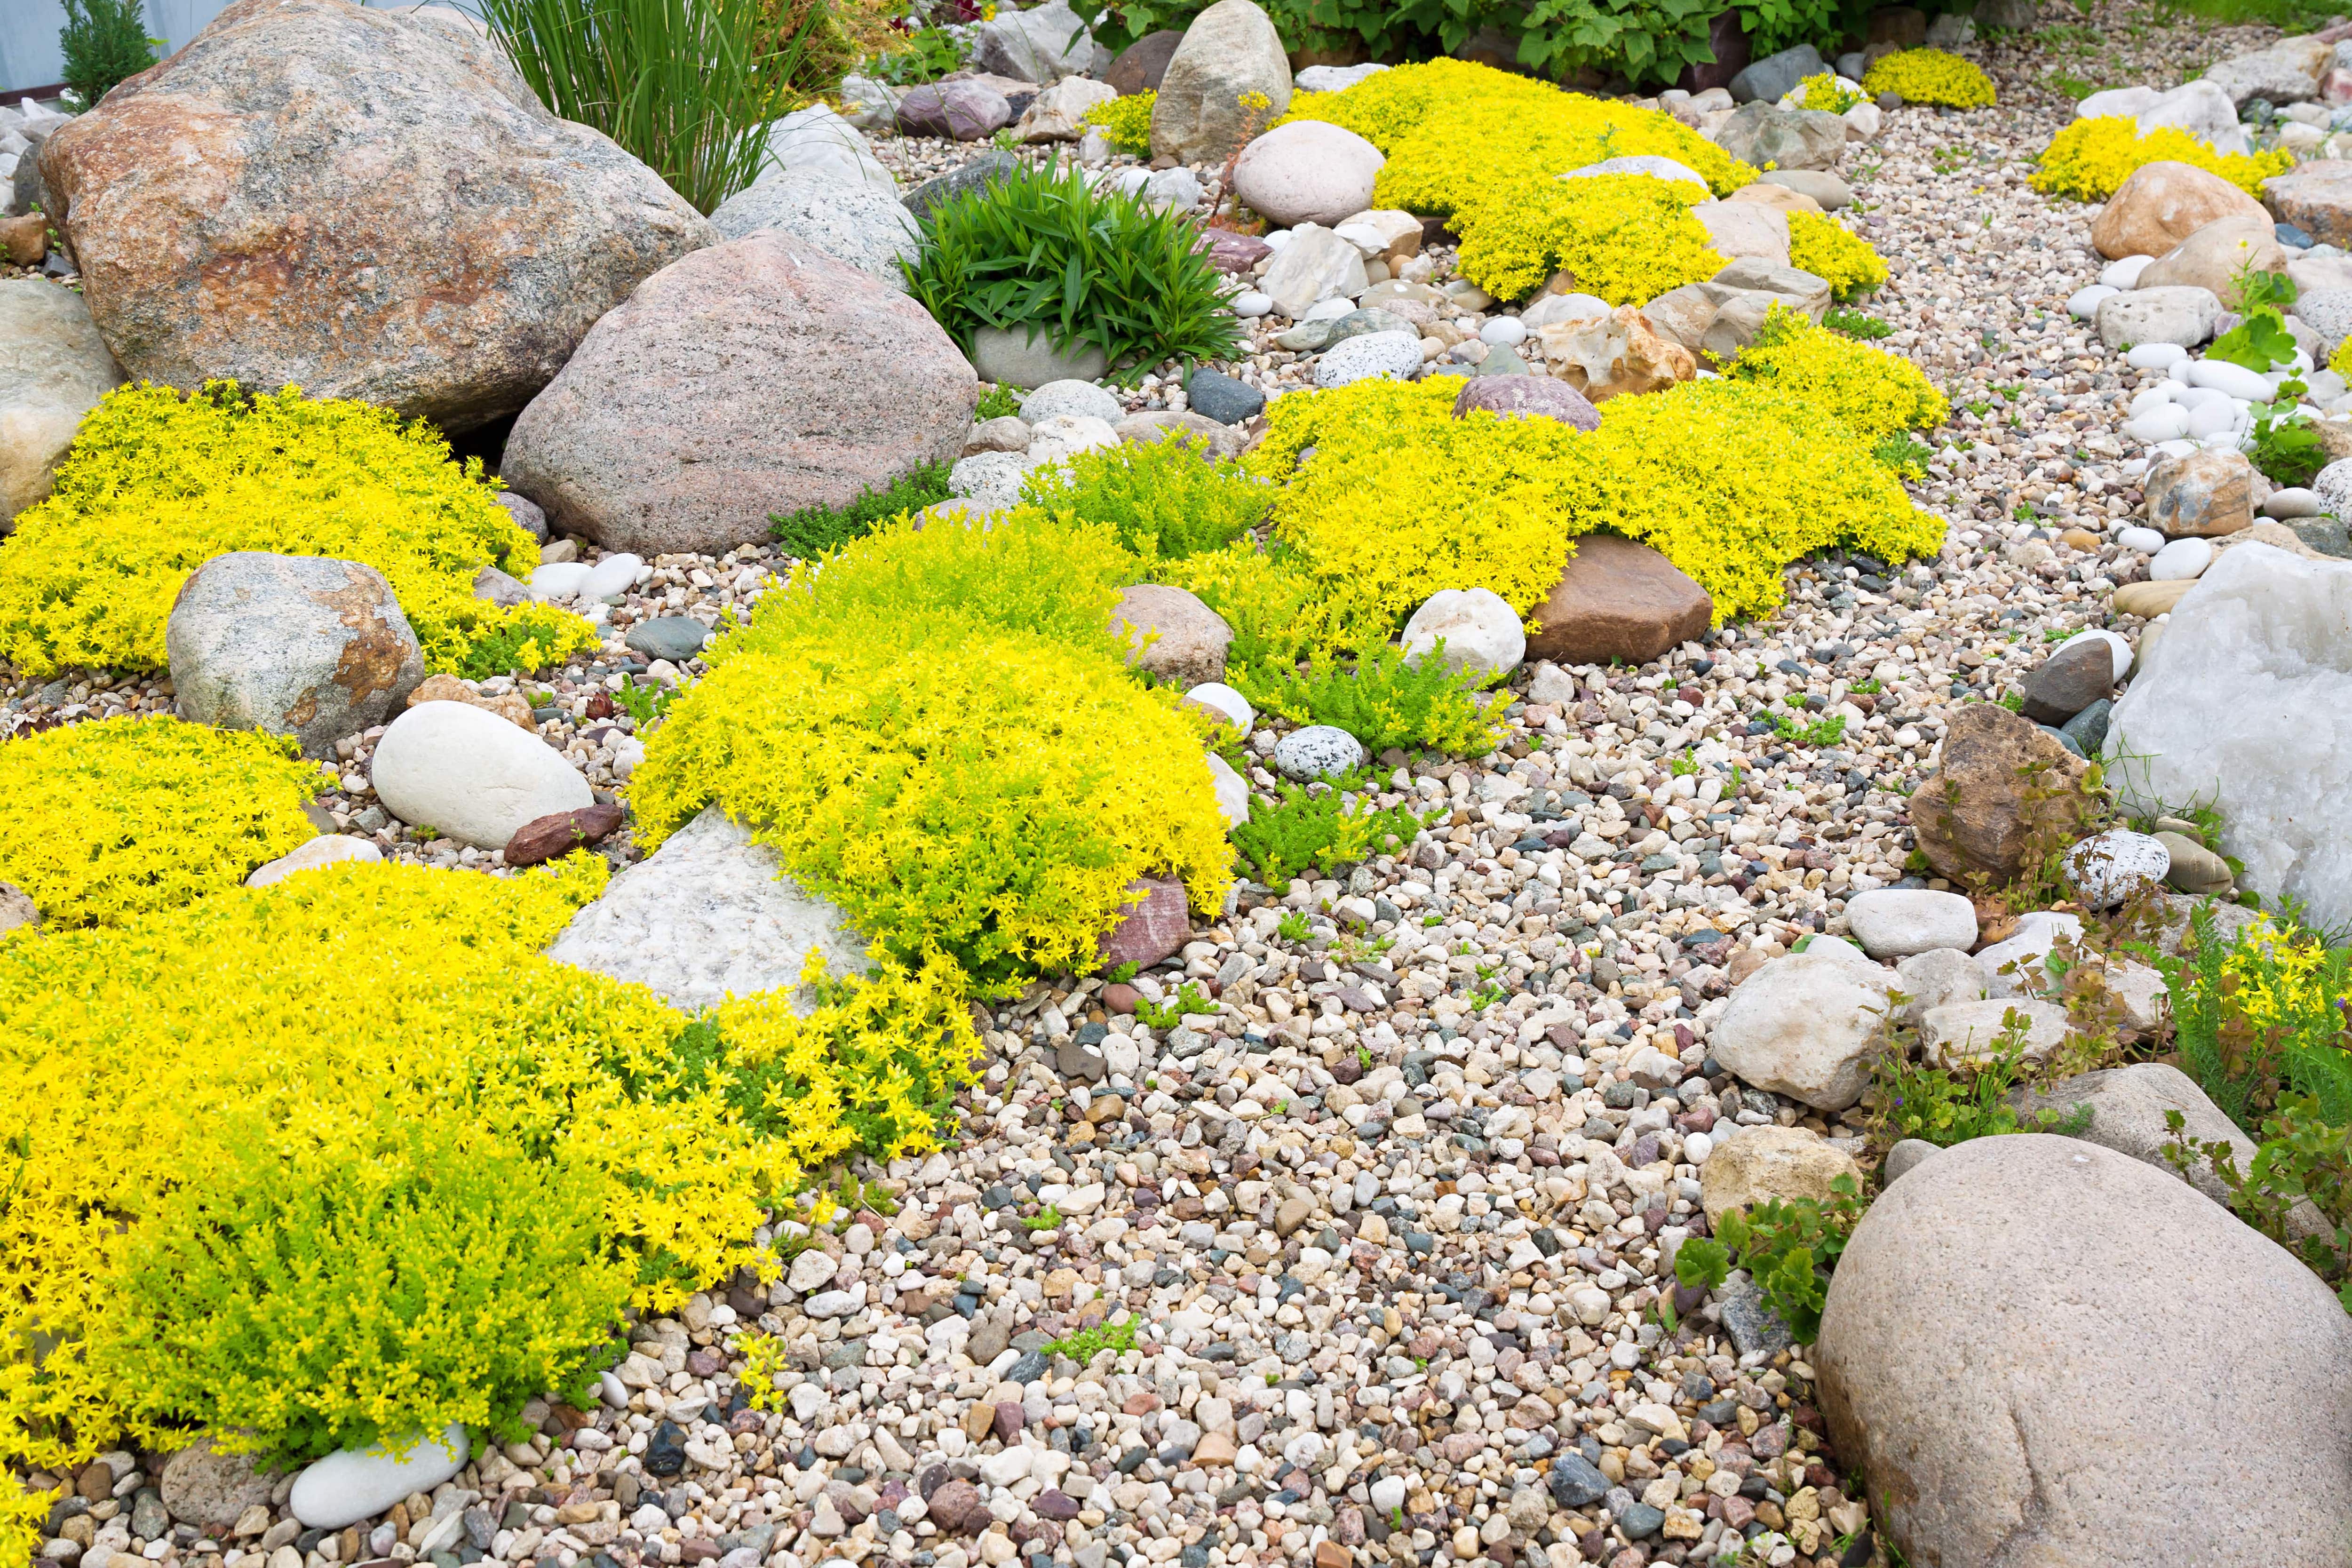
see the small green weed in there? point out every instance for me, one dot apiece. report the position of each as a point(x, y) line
point(1381, 700)
point(1855, 323)
point(1088, 1343)
point(1315, 827)
point(998, 403)
point(815, 531)
point(1789, 1248)
point(647, 704)
point(1293, 927)
point(1189, 998)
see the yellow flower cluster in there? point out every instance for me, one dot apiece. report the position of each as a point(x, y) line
point(2340, 361)
point(1825, 93)
point(1931, 75)
point(158, 484)
point(1627, 238)
point(1125, 122)
point(936, 732)
point(1484, 146)
point(1822, 246)
point(2091, 159)
point(102, 822)
point(1874, 393)
point(307, 1012)
point(1729, 479)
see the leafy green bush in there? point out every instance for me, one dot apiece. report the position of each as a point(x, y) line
point(320, 1296)
point(2302, 1156)
point(1645, 41)
point(687, 87)
point(104, 42)
point(1381, 700)
point(1772, 25)
point(1320, 825)
point(2256, 1018)
point(1947, 1107)
point(1165, 500)
point(1789, 1249)
point(1855, 324)
point(1044, 251)
point(816, 530)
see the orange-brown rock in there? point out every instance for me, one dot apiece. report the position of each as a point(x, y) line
point(2163, 204)
point(509, 706)
point(1618, 600)
point(2001, 782)
point(1604, 356)
point(369, 203)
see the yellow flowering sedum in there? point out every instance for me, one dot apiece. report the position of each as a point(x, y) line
point(157, 484)
point(1728, 479)
point(1125, 122)
point(1931, 75)
point(2090, 159)
point(172, 1063)
point(1821, 245)
point(1825, 93)
point(102, 822)
point(2340, 361)
point(1486, 146)
point(1874, 393)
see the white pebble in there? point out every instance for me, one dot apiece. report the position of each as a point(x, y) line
point(2084, 303)
point(2146, 541)
point(2124, 274)
point(2232, 379)
point(2180, 561)
point(1504, 331)
point(2166, 422)
point(2293, 501)
point(2154, 356)
point(1249, 304)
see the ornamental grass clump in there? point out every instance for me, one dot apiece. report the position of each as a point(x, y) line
point(1823, 247)
point(1047, 253)
point(1485, 147)
point(103, 822)
point(420, 1201)
point(1874, 393)
point(157, 484)
point(1931, 75)
point(937, 731)
point(2091, 159)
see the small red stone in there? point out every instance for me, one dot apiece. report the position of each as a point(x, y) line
point(543, 838)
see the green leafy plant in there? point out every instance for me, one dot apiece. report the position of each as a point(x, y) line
point(2285, 444)
point(1381, 700)
point(1826, 731)
point(2252, 288)
point(1855, 323)
point(1047, 1219)
point(2258, 342)
point(104, 42)
point(1702, 1263)
point(1945, 1106)
point(2256, 1018)
point(816, 530)
point(2302, 1156)
point(920, 55)
point(1166, 499)
point(1088, 1343)
point(1906, 454)
point(1189, 998)
point(998, 403)
point(1318, 825)
point(645, 704)
point(1044, 252)
point(1643, 40)
point(687, 87)
point(1789, 1248)
point(1293, 927)
point(1119, 975)
point(1775, 25)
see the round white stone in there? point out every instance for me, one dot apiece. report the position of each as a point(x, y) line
point(2293, 501)
point(1504, 331)
point(2146, 541)
point(2232, 379)
point(1216, 694)
point(2180, 561)
point(2152, 356)
point(2124, 274)
point(612, 577)
point(2108, 867)
point(471, 774)
point(327, 849)
point(1479, 629)
point(1396, 355)
point(2165, 422)
point(560, 581)
point(352, 1484)
point(2084, 303)
point(1249, 304)
point(1896, 922)
point(1073, 397)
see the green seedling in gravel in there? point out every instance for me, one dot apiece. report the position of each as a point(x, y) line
point(1047, 1219)
point(1293, 927)
point(1855, 324)
point(1189, 998)
point(1088, 1343)
point(645, 704)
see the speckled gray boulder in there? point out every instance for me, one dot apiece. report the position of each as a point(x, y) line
point(2041, 1351)
point(1082, 398)
point(1396, 355)
point(2110, 867)
point(990, 480)
point(16, 909)
point(1319, 750)
point(857, 223)
point(294, 644)
point(707, 916)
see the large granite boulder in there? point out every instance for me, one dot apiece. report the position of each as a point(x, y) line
point(1308, 172)
point(366, 202)
point(2213, 255)
point(821, 142)
point(1043, 44)
point(2287, 72)
point(2040, 1350)
point(292, 645)
point(1772, 137)
point(1229, 53)
point(54, 368)
point(2240, 706)
point(854, 222)
point(760, 376)
point(2316, 198)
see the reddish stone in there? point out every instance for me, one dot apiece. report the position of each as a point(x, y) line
point(955, 1508)
point(1143, 63)
point(1618, 600)
point(1236, 253)
point(1149, 928)
point(1009, 1421)
point(1121, 998)
point(544, 838)
point(1532, 395)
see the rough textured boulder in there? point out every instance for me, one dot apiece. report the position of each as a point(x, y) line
point(2286, 72)
point(1148, 928)
point(2001, 779)
point(1059, 112)
point(210, 1489)
point(2213, 255)
point(821, 141)
point(1617, 599)
point(962, 111)
point(1172, 634)
point(2316, 198)
point(852, 223)
point(1532, 397)
point(2179, 315)
point(1606, 356)
point(2026, 1379)
point(1806, 1025)
point(2127, 1105)
point(706, 916)
point(1308, 172)
point(1477, 627)
point(1761, 134)
point(2240, 706)
point(1043, 44)
point(2199, 107)
point(1316, 266)
point(2203, 494)
point(54, 368)
point(293, 645)
point(1760, 1162)
point(760, 375)
point(1229, 52)
point(369, 204)
point(1746, 230)
point(2163, 204)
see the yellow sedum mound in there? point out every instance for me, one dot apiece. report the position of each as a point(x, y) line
point(1874, 393)
point(158, 484)
point(1729, 479)
point(1126, 121)
point(1931, 75)
point(103, 822)
point(935, 731)
point(1484, 146)
point(1821, 245)
point(2091, 159)
point(173, 1064)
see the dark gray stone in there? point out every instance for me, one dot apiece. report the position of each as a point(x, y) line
point(674, 637)
point(1575, 1483)
point(2070, 680)
point(982, 172)
point(1752, 1325)
point(1223, 398)
point(1772, 77)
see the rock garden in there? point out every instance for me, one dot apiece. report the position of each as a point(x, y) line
point(819, 786)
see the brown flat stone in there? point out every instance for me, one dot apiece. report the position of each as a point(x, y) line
point(543, 838)
point(2000, 780)
point(1618, 600)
